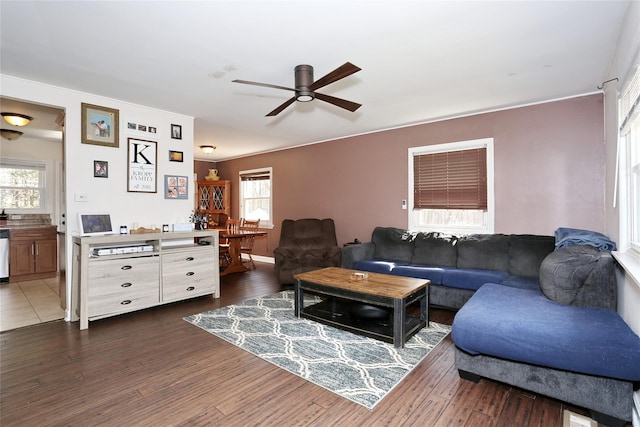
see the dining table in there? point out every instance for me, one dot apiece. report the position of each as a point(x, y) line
point(235, 253)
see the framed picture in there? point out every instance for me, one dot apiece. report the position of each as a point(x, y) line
point(99, 125)
point(100, 169)
point(176, 187)
point(175, 156)
point(176, 132)
point(142, 166)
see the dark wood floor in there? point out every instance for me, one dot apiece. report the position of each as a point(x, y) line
point(152, 368)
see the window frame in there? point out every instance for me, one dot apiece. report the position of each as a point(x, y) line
point(487, 143)
point(267, 170)
point(43, 186)
point(629, 162)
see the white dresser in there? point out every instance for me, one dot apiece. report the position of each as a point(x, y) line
point(115, 274)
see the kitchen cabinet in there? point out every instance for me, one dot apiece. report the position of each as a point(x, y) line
point(33, 253)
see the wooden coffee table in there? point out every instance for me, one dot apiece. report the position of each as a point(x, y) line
point(344, 292)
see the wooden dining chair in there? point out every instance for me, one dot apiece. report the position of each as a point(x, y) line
point(246, 244)
point(233, 225)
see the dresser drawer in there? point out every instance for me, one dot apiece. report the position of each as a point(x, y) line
point(123, 284)
point(188, 273)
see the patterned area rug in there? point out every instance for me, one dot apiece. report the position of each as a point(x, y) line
point(357, 368)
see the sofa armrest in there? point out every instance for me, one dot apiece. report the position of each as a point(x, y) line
point(353, 253)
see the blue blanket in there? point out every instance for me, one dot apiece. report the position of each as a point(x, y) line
point(573, 236)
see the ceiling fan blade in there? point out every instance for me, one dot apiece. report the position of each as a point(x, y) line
point(339, 73)
point(246, 82)
point(282, 107)
point(342, 103)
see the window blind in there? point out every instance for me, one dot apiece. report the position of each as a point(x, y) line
point(629, 99)
point(256, 176)
point(451, 180)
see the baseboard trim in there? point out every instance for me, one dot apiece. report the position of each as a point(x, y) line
point(259, 258)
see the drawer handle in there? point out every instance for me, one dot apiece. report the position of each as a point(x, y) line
point(190, 288)
point(126, 267)
point(125, 302)
point(190, 258)
point(126, 285)
point(191, 273)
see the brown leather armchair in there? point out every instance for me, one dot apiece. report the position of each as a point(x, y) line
point(305, 245)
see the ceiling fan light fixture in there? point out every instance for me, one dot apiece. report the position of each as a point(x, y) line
point(304, 96)
point(17, 119)
point(207, 149)
point(10, 134)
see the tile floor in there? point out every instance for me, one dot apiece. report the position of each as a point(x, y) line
point(29, 303)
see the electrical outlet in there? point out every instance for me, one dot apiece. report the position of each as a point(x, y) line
point(81, 197)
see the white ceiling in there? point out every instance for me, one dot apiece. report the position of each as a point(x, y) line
point(420, 60)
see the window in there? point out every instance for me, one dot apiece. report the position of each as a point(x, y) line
point(23, 185)
point(255, 196)
point(629, 111)
point(451, 187)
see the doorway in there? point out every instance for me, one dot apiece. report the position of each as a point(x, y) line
point(29, 302)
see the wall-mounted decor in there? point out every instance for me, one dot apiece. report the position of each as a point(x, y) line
point(175, 156)
point(176, 132)
point(99, 125)
point(140, 128)
point(100, 169)
point(176, 187)
point(142, 166)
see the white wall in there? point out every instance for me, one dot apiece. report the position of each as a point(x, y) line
point(110, 195)
point(627, 48)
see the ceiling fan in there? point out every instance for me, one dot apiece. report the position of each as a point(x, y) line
point(305, 87)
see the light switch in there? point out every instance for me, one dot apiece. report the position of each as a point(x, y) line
point(404, 204)
point(81, 197)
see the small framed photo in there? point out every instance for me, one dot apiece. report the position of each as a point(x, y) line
point(99, 125)
point(176, 187)
point(100, 169)
point(175, 156)
point(176, 132)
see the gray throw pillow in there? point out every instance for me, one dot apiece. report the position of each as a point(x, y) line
point(564, 272)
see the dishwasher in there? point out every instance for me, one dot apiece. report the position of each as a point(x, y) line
point(4, 256)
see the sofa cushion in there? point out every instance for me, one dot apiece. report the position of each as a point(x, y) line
point(522, 282)
point(377, 265)
point(485, 251)
point(435, 249)
point(526, 253)
point(563, 272)
point(392, 243)
point(471, 278)
point(525, 326)
point(435, 274)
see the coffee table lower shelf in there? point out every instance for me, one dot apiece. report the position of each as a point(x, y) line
point(336, 312)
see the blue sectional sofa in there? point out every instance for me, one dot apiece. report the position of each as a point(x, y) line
point(535, 312)
point(456, 266)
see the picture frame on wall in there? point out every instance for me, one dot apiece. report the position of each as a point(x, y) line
point(176, 187)
point(100, 125)
point(100, 169)
point(175, 156)
point(176, 132)
point(142, 166)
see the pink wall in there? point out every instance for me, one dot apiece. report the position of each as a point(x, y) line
point(549, 172)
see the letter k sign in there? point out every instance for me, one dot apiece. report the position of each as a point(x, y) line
point(138, 153)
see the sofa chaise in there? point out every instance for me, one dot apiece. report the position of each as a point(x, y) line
point(535, 312)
